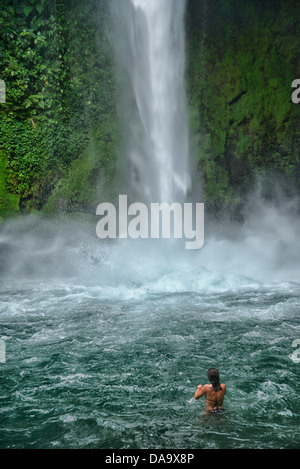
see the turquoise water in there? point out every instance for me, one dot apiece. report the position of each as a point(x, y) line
point(110, 357)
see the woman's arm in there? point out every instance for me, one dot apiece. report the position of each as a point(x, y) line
point(200, 391)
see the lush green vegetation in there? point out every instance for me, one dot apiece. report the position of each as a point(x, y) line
point(242, 59)
point(57, 65)
point(59, 124)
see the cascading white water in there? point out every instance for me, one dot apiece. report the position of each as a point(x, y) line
point(151, 50)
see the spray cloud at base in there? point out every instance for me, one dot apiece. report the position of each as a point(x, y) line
point(260, 251)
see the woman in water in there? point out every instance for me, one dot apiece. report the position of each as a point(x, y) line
point(214, 392)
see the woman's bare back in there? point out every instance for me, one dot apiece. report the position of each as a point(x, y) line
point(213, 399)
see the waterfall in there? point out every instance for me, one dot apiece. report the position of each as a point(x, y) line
point(150, 50)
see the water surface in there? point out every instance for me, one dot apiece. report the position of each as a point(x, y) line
point(111, 358)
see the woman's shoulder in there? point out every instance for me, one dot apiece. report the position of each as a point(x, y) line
point(208, 387)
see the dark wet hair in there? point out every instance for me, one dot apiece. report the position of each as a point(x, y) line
point(214, 378)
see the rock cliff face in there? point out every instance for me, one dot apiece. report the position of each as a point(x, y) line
point(242, 60)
